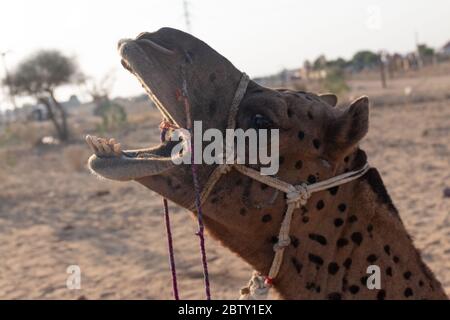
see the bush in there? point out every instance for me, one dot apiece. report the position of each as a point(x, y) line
point(22, 133)
point(335, 81)
point(113, 115)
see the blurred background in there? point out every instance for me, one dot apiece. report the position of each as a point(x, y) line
point(60, 79)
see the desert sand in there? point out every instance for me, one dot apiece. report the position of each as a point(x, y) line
point(54, 213)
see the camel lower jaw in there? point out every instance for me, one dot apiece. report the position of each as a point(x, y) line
point(134, 164)
point(140, 163)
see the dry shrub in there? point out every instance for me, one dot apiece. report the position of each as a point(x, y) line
point(75, 157)
point(8, 158)
point(20, 133)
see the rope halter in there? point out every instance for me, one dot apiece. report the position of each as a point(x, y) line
point(299, 196)
point(296, 197)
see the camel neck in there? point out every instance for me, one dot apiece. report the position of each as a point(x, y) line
point(355, 247)
point(335, 237)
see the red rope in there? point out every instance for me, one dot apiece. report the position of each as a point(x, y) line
point(164, 126)
point(201, 227)
point(169, 236)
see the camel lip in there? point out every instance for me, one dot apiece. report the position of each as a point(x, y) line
point(134, 164)
point(162, 151)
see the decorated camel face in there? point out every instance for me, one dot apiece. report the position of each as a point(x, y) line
point(169, 62)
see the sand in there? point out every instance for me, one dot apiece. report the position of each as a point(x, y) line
point(53, 213)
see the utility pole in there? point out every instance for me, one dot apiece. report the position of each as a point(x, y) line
point(382, 69)
point(419, 55)
point(187, 18)
point(8, 79)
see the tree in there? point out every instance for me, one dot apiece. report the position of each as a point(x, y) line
point(365, 59)
point(113, 114)
point(339, 63)
point(335, 81)
point(38, 76)
point(425, 51)
point(320, 63)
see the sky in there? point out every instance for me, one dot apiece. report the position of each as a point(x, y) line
point(260, 37)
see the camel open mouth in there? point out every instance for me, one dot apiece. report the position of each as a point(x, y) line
point(109, 161)
point(169, 63)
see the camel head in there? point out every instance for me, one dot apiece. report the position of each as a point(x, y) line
point(311, 129)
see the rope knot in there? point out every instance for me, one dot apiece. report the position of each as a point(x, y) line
point(281, 244)
point(225, 168)
point(256, 288)
point(299, 196)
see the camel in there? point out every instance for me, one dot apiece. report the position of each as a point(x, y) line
point(334, 237)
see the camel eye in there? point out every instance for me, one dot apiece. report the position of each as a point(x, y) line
point(261, 122)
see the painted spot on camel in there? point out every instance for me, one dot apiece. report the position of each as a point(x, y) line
point(297, 265)
point(312, 179)
point(320, 205)
point(347, 263)
point(338, 222)
point(354, 289)
point(318, 261)
point(333, 268)
point(381, 295)
point(389, 271)
point(408, 292)
point(334, 296)
point(357, 238)
point(333, 191)
point(318, 238)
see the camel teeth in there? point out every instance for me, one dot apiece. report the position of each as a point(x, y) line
point(97, 145)
point(89, 142)
point(106, 148)
point(117, 148)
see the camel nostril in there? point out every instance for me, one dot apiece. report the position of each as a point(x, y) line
point(155, 46)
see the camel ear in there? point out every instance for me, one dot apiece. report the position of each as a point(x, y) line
point(349, 127)
point(329, 98)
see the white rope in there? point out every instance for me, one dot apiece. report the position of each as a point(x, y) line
point(256, 288)
point(296, 196)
